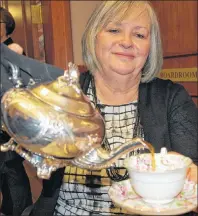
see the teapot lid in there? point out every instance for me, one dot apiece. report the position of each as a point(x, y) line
point(65, 94)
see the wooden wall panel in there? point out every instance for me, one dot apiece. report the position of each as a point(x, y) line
point(178, 22)
point(57, 32)
point(27, 20)
point(37, 30)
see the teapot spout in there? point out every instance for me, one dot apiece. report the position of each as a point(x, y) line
point(97, 159)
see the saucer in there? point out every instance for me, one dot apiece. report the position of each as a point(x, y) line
point(123, 195)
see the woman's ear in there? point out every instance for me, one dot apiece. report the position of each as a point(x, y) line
point(16, 48)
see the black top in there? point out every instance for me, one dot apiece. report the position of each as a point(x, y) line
point(8, 41)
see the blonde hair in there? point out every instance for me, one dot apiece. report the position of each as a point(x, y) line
point(119, 9)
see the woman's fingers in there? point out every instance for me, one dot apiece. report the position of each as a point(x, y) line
point(192, 173)
point(192, 170)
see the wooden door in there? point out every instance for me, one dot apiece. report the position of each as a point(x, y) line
point(57, 32)
point(178, 22)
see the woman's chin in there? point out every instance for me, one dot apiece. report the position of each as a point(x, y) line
point(124, 71)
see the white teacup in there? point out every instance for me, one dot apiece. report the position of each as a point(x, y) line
point(161, 185)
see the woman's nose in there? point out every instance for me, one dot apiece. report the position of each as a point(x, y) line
point(126, 42)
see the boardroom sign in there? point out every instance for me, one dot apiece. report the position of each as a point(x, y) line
point(180, 74)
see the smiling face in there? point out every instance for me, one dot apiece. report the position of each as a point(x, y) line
point(122, 47)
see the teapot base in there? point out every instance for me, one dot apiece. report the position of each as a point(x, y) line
point(44, 164)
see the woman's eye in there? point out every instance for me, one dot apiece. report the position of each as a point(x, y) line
point(140, 35)
point(113, 30)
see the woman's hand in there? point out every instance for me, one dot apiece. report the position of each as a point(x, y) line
point(192, 173)
point(16, 48)
point(192, 170)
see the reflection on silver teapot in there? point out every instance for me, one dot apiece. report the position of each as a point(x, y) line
point(54, 124)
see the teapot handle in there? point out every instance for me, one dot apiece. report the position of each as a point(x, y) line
point(15, 74)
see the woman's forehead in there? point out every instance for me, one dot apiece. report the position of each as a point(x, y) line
point(134, 12)
point(135, 19)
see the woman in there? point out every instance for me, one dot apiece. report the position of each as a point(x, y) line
point(13, 177)
point(122, 50)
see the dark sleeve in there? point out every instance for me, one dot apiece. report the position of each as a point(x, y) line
point(183, 123)
point(30, 69)
point(46, 203)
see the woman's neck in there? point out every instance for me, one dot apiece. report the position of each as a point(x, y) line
point(116, 90)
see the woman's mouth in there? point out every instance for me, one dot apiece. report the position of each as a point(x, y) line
point(124, 55)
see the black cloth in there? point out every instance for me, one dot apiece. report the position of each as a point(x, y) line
point(8, 41)
point(168, 116)
point(14, 182)
point(29, 68)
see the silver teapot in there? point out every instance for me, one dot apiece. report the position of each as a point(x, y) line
point(54, 124)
